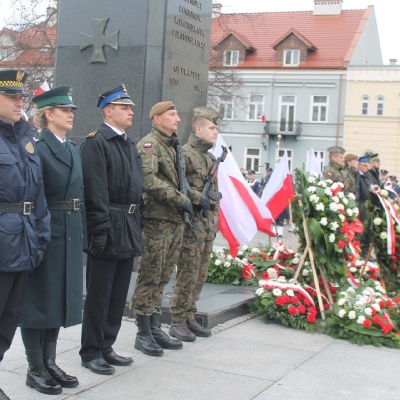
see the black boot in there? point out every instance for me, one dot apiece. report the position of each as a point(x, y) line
point(3, 396)
point(38, 376)
point(144, 339)
point(161, 337)
point(197, 329)
point(181, 331)
point(55, 371)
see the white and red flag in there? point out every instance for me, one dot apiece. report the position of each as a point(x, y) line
point(241, 210)
point(44, 87)
point(313, 164)
point(279, 189)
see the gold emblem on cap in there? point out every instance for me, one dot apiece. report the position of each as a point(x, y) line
point(20, 75)
point(124, 89)
point(70, 94)
point(29, 148)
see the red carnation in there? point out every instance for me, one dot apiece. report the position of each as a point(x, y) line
point(367, 323)
point(374, 276)
point(373, 311)
point(312, 310)
point(286, 299)
point(382, 304)
point(327, 306)
point(265, 275)
point(341, 244)
point(394, 258)
point(387, 328)
point(263, 256)
point(295, 300)
point(311, 318)
point(301, 309)
point(376, 319)
point(279, 301)
point(292, 310)
point(307, 302)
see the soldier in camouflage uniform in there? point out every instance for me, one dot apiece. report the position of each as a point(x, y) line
point(194, 258)
point(163, 230)
point(336, 164)
point(350, 173)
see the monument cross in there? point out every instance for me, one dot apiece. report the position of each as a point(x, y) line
point(99, 40)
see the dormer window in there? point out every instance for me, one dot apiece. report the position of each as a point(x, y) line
point(291, 58)
point(231, 58)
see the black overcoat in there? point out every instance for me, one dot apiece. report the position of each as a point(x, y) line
point(112, 173)
point(54, 293)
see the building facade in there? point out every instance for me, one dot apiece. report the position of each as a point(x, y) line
point(291, 74)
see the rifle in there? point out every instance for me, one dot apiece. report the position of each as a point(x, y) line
point(211, 177)
point(182, 181)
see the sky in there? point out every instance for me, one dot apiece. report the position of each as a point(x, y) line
point(387, 15)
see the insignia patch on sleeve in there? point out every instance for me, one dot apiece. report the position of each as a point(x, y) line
point(147, 145)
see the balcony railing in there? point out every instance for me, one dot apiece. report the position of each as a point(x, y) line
point(284, 128)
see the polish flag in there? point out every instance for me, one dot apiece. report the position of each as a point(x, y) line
point(44, 87)
point(263, 118)
point(279, 189)
point(313, 164)
point(241, 213)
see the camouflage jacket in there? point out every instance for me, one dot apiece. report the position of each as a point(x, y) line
point(350, 177)
point(333, 172)
point(198, 162)
point(160, 178)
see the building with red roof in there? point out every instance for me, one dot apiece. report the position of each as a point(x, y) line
point(290, 71)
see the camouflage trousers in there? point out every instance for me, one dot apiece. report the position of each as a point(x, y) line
point(161, 242)
point(193, 264)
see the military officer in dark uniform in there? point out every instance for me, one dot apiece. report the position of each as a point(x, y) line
point(362, 195)
point(375, 163)
point(112, 174)
point(24, 217)
point(253, 182)
point(334, 170)
point(350, 173)
point(54, 291)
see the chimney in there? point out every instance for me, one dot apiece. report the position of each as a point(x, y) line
point(332, 7)
point(392, 61)
point(216, 10)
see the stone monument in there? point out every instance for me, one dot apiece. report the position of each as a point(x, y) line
point(158, 48)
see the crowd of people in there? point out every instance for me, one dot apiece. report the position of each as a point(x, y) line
point(358, 173)
point(113, 200)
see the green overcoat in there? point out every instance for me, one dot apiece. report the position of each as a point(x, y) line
point(54, 291)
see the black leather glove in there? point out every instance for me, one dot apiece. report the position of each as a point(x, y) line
point(97, 244)
point(39, 257)
point(205, 205)
point(188, 206)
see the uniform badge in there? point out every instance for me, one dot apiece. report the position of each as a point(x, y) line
point(29, 148)
point(147, 145)
point(92, 134)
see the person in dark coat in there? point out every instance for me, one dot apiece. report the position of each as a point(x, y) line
point(363, 184)
point(55, 290)
point(112, 174)
point(24, 217)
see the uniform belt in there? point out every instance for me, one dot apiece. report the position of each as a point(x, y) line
point(128, 208)
point(73, 204)
point(23, 208)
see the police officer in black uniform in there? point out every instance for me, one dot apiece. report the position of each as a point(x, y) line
point(112, 176)
point(24, 217)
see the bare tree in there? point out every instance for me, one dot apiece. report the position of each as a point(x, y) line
point(28, 41)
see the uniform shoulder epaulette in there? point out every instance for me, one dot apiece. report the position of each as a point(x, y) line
point(38, 139)
point(92, 134)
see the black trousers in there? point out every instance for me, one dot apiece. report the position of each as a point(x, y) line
point(107, 284)
point(35, 338)
point(12, 289)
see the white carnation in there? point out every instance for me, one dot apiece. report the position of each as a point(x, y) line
point(324, 221)
point(345, 201)
point(311, 179)
point(314, 198)
point(368, 310)
point(320, 207)
point(340, 195)
point(377, 221)
point(277, 292)
point(352, 315)
point(332, 237)
point(328, 192)
point(383, 235)
point(290, 293)
point(341, 302)
point(334, 226)
point(360, 319)
point(333, 206)
point(312, 189)
point(376, 306)
point(218, 262)
point(227, 264)
point(342, 313)
point(260, 291)
point(351, 196)
point(335, 199)
point(349, 212)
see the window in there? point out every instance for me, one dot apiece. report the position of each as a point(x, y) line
point(319, 107)
point(379, 105)
point(280, 153)
point(291, 57)
point(256, 106)
point(287, 111)
point(226, 107)
point(7, 54)
point(231, 58)
point(365, 105)
point(252, 157)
